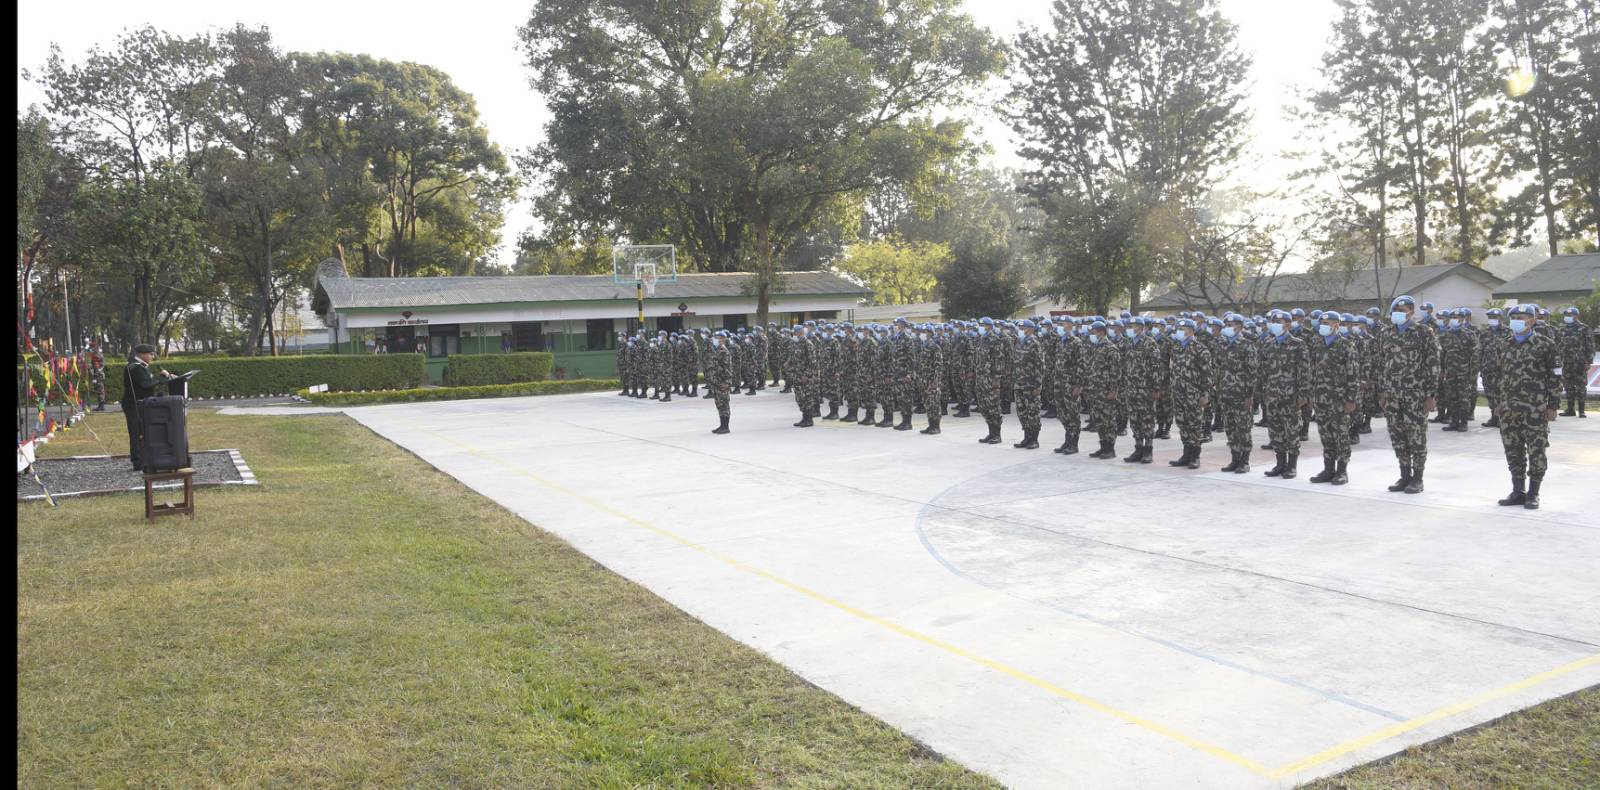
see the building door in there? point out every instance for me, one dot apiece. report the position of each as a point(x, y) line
point(398, 339)
point(527, 336)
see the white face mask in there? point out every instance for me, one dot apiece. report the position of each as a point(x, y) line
point(1155, 331)
point(983, 330)
point(1094, 339)
point(1111, 333)
point(1229, 331)
point(1275, 329)
point(1181, 334)
point(1494, 323)
point(1061, 331)
point(1398, 317)
point(1568, 319)
point(1455, 324)
point(1344, 330)
point(1325, 330)
point(1518, 325)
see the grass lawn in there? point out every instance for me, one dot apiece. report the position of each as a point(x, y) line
point(1555, 745)
point(361, 619)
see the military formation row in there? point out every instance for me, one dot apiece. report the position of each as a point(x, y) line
point(1202, 373)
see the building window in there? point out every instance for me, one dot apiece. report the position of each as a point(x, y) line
point(734, 323)
point(669, 324)
point(601, 334)
point(527, 336)
point(444, 340)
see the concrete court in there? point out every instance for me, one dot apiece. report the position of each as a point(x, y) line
point(1063, 621)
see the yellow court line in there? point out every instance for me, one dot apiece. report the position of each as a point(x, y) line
point(1428, 718)
point(1151, 726)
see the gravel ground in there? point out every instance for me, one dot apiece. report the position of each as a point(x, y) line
point(66, 476)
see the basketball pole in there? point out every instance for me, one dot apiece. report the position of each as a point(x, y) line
point(638, 294)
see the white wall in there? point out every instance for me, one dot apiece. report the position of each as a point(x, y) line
point(711, 313)
point(1455, 291)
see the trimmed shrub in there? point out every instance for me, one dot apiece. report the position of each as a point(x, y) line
point(243, 377)
point(460, 393)
point(472, 370)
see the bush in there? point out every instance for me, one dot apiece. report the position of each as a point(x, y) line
point(253, 376)
point(460, 393)
point(471, 370)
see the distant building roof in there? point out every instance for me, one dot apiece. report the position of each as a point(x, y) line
point(1561, 275)
point(342, 292)
point(881, 312)
point(1309, 287)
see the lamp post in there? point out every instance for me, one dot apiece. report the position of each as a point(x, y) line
point(66, 311)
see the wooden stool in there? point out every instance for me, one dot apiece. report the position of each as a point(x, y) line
point(151, 510)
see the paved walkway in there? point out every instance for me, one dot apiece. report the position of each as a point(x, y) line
point(1062, 621)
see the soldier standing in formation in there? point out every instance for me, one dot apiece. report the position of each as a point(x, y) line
point(1335, 369)
point(1406, 386)
point(1577, 353)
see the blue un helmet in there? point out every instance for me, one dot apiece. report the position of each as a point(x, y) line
point(1278, 315)
point(1403, 300)
point(1572, 311)
point(1372, 312)
point(1187, 323)
point(1027, 323)
point(1296, 313)
point(986, 321)
point(1316, 315)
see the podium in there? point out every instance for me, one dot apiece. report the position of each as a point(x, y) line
point(179, 385)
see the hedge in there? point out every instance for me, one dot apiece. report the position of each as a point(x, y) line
point(254, 376)
point(460, 393)
point(472, 370)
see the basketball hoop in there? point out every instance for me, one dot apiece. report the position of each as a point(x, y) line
point(647, 278)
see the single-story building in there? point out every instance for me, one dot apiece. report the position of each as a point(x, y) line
point(1446, 285)
point(575, 317)
point(1557, 282)
point(918, 313)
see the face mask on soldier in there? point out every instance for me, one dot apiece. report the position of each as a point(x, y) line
point(1398, 317)
point(1518, 325)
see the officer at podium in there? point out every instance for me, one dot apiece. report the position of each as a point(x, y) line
point(138, 383)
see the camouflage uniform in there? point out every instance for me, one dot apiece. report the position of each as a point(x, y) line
point(623, 373)
point(1529, 387)
point(1238, 371)
point(904, 370)
point(1458, 365)
point(988, 378)
point(800, 370)
point(1493, 340)
point(867, 356)
point(1285, 386)
point(1103, 376)
point(930, 373)
point(1164, 400)
point(1576, 345)
point(779, 358)
point(1406, 379)
point(1191, 376)
point(1028, 386)
point(1143, 380)
point(1335, 381)
point(719, 378)
point(965, 367)
point(763, 349)
point(1066, 375)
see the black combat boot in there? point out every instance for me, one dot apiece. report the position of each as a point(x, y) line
point(1581, 414)
point(656, 395)
point(888, 419)
point(1355, 433)
point(998, 424)
point(1415, 486)
point(787, 388)
point(1572, 409)
point(1327, 472)
point(866, 419)
point(1164, 429)
point(1366, 424)
point(1277, 471)
point(1293, 467)
point(1005, 407)
point(1516, 497)
point(723, 428)
point(667, 398)
point(933, 427)
point(1531, 501)
point(1194, 457)
point(1182, 460)
point(805, 420)
point(833, 412)
point(1492, 422)
point(1146, 454)
point(993, 436)
point(1405, 479)
point(1234, 462)
point(850, 416)
point(1244, 462)
point(962, 410)
point(1108, 450)
point(905, 422)
point(1339, 475)
point(1030, 441)
point(1136, 456)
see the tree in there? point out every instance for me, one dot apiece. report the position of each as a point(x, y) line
point(735, 127)
point(1124, 106)
point(541, 255)
point(897, 271)
point(979, 279)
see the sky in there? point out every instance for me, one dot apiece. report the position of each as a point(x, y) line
point(475, 43)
